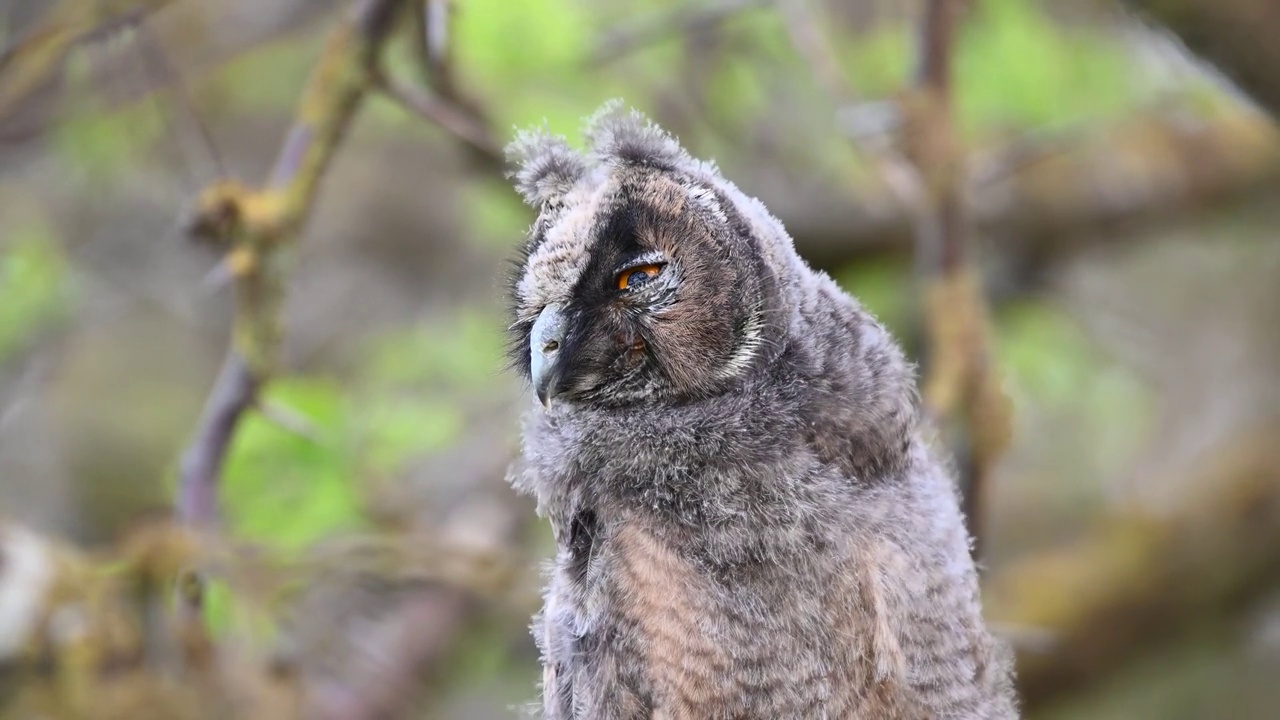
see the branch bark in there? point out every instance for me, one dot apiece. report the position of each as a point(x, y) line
point(1236, 36)
point(1042, 196)
point(35, 59)
point(960, 388)
point(1137, 580)
point(234, 392)
point(624, 40)
point(85, 635)
point(254, 225)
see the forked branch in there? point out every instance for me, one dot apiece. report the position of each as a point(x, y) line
point(253, 225)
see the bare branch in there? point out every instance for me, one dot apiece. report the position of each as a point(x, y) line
point(960, 383)
point(432, 30)
point(811, 44)
point(622, 41)
point(805, 31)
point(927, 177)
point(1237, 36)
point(1039, 197)
point(35, 59)
point(154, 56)
point(449, 116)
point(252, 225)
point(1138, 580)
point(234, 392)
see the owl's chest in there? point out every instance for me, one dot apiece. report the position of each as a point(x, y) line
point(697, 646)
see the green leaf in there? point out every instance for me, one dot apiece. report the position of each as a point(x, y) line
point(33, 284)
point(1016, 66)
point(285, 489)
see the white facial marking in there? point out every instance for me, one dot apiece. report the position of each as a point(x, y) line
point(706, 198)
point(554, 267)
point(745, 353)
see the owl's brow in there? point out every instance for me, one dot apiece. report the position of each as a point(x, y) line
point(649, 257)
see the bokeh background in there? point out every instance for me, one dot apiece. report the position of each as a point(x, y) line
point(1125, 213)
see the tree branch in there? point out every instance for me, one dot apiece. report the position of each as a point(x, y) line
point(959, 384)
point(234, 392)
point(454, 119)
point(622, 41)
point(253, 225)
point(35, 59)
point(1042, 197)
point(1236, 36)
point(1137, 580)
point(432, 30)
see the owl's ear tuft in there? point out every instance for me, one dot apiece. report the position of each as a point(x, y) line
point(618, 135)
point(546, 167)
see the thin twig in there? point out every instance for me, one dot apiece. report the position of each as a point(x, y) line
point(35, 59)
point(252, 225)
point(932, 142)
point(153, 55)
point(432, 29)
point(805, 32)
point(811, 44)
point(234, 392)
point(447, 115)
point(439, 99)
point(622, 41)
point(927, 177)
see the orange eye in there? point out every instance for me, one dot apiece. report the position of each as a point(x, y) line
point(637, 276)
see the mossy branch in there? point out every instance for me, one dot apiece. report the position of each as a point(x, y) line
point(1137, 580)
point(34, 60)
point(87, 635)
point(254, 227)
point(1237, 36)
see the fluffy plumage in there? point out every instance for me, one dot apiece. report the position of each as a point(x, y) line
point(748, 520)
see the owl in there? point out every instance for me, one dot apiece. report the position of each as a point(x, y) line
point(749, 520)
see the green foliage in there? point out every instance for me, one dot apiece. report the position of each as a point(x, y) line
point(97, 140)
point(286, 489)
point(218, 606)
point(518, 53)
point(878, 62)
point(95, 145)
point(33, 284)
point(462, 355)
point(289, 489)
point(1016, 67)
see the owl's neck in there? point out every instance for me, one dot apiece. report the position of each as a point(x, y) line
point(832, 408)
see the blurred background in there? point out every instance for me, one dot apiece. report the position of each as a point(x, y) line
point(1124, 211)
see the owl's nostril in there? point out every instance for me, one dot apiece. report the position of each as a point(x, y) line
point(551, 346)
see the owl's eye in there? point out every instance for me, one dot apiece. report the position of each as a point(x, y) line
point(636, 277)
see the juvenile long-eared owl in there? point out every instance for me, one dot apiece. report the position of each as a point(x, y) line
point(749, 523)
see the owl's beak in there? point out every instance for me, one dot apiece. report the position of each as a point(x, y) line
point(546, 341)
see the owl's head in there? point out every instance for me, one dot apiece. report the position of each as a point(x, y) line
point(647, 277)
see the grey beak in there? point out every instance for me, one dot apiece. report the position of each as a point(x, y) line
point(545, 343)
